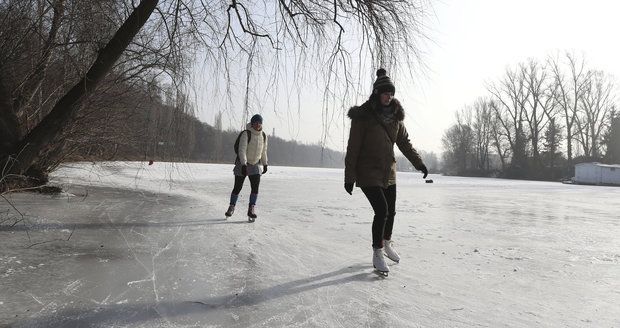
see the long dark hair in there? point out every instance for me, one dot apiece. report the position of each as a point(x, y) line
point(374, 98)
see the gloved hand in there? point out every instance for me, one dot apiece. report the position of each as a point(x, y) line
point(244, 170)
point(348, 187)
point(424, 170)
point(264, 169)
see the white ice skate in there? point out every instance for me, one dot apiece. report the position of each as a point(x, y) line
point(390, 252)
point(379, 262)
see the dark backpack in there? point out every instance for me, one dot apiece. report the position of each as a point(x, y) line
point(249, 138)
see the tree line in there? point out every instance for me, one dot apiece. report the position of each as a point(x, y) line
point(205, 143)
point(212, 144)
point(537, 121)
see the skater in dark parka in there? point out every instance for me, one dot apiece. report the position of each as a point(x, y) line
point(370, 163)
point(251, 147)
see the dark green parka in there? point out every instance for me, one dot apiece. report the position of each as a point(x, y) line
point(370, 159)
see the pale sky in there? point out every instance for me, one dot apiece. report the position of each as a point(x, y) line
point(473, 42)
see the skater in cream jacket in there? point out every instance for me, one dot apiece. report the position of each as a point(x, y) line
point(251, 161)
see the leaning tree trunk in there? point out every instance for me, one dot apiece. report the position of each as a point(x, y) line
point(40, 139)
point(9, 125)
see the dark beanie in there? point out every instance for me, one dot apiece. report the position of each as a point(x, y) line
point(383, 83)
point(256, 119)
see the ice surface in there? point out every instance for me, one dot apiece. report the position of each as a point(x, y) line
point(132, 245)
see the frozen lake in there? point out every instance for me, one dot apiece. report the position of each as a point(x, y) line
point(132, 245)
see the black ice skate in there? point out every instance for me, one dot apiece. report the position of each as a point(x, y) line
point(230, 211)
point(251, 214)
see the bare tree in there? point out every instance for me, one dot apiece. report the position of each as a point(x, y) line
point(499, 138)
point(157, 40)
point(467, 144)
point(541, 103)
point(569, 89)
point(482, 126)
point(595, 105)
point(458, 145)
point(511, 97)
point(40, 140)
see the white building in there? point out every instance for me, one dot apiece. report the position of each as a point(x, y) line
point(597, 174)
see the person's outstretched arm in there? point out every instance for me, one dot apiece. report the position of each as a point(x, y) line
point(404, 144)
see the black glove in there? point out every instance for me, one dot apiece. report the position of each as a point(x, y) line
point(244, 170)
point(264, 169)
point(348, 187)
point(424, 170)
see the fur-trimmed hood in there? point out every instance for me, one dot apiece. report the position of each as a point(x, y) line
point(364, 111)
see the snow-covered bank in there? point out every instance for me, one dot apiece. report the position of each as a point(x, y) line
point(148, 247)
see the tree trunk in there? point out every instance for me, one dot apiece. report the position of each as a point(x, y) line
point(569, 150)
point(9, 125)
point(39, 140)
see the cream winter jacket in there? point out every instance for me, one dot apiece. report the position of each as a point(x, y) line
point(256, 150)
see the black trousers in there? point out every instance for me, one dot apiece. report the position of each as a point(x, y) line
point(254, 183)
point(383, 202)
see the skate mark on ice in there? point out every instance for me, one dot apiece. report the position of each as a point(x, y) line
point(294, 287)
point(122, 313)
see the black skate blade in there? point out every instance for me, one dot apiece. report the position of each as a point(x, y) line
point(380, 273)
point(251, 220)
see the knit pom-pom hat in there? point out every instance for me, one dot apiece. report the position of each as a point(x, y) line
point(383, 83)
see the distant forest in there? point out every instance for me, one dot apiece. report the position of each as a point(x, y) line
point(536, 122)
point(216, 146)
point(161, 133)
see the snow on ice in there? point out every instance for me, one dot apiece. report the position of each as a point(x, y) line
point(133, 245)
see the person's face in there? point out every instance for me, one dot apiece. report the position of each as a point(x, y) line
point(386, 98)
point(257, 126)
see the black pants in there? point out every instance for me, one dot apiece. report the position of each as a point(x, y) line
point(383, 202)
point(254, 183)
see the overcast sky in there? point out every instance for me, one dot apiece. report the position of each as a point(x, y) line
point(473, 42)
